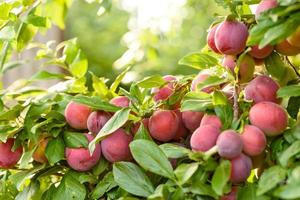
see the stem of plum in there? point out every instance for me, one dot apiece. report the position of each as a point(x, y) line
point(210, 152)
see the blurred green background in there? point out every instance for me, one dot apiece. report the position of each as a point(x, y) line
point(150, 35)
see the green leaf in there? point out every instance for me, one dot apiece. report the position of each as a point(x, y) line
point(161, 192)
point(225, 113)
point(202, 189)
point(196, 101)
point(44, 75)
point(75, 140)
point(106, 184)
point(293, 106)
point(211, 81)
point(57, 17)
point(221, 177)
point(174, 151)
point(24, 35)
point(219, 98)
point(113, 124)
point(275, 66)
point(95, 103)
point(55, 150)
point(270, 178)
point(12, 113)
point(290, 152)
point(69, 188)
point(102, 165)
point(131, 178)
point(79, 66)
point(148, 155)
point(289, 191)
point(289, 91)
point(7, 33)
point(37, 20)
point(118, 80)
point(151, 81)
point(185, 171)
point(198, 60)
point(248, 192)
point(99, 86)
point(142, 133)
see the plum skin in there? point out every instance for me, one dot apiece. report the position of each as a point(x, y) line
point(80, 159)
point(263, 6)
point(260, 53)
point(165, 92)
point(120, 101)
point(262, 88)
point(97, 120)
point(294, 39)
point(229, 144)
point(201, 77)
point(287, 49)
point(192, 119)
point(9, 158)
point(76, 115)
point(231, 37)
point(204, 138)
point(163, 125)
point(211, 39)
point(136, 126)
point(269, 117)
point(115, 147)
point(181, 132)
point(213, 120)
point(254, 140)
point(240, 168)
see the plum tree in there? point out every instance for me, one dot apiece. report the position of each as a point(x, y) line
point(254, 140)
point(265, 5)
point(240, 168)
point(271, 118)
point(231, 37)
point(115, 147)
point(120, 101)
point(163, 125)
point(39, 153)
point(260, 53)
point(192, 119)
point(229, 144)
point(213, 120)
point(80, 159)
point(8, 157)
point(287, 49)
point(165, 92)
point(204, 138)
point(97, 120)
point(76, 115)
point(211, 39)
point(181, 132)
point(294, 39)
point(201, 77)
point(262, 88)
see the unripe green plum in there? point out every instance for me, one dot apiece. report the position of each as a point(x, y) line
point(161, 94)
point(294, 39)
point(231, 37)
point(261, 53)
point(115, 147)
point(80, 159)
point(285, 48)
point(9, 158)
point(204, 138)
point(240, 168)
point(254, 140)
point(211, 39)
point(120, 101)
point(76, 115)
point(271, 118)
point(163, 125)
point(97, 120)
point(262, 88)
point(229, 144)
point(192, 119)
point(265, 5)
point(213, 120)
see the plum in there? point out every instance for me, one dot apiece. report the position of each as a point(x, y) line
point(285, 48)
point(120, 101)
point(192, 119)
point(39, 153)
point(80, 159)
point(261, 53)
point(165, 92)
point(137, 125)
point(240, 168)
point(294, 39)
point(181, 132)
point(211, 39)
point(271, 118)
point(201, 77)
point(229, 144)
point(213, 120)
point(262, 88)
point(115, 147)
point(231, 37)
point(204, 138)
point(76, 115)
point(8, 157)
point(254, 140)
point(97, 120)
point(163, 125)
point(265, 5)
point(229, 62)
point(232, 195)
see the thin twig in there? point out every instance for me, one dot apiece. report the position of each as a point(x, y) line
point(235, 102)
point(293, 66)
